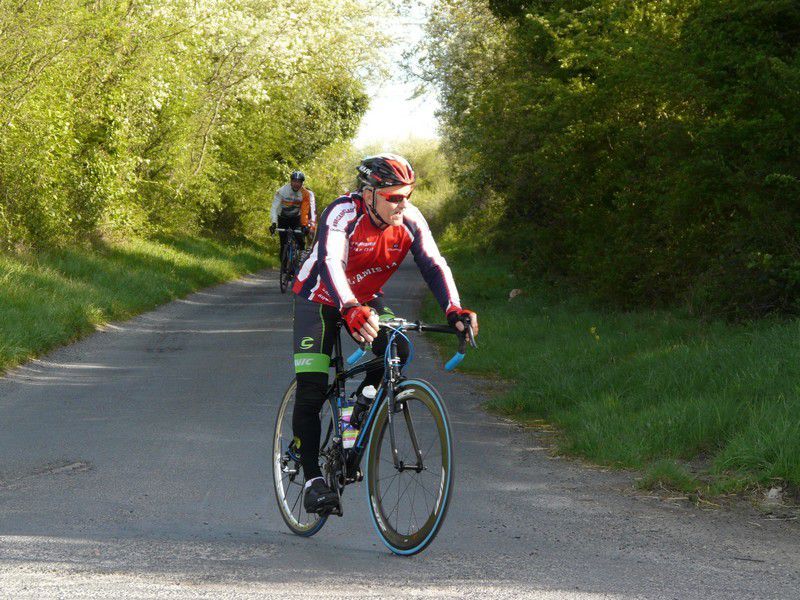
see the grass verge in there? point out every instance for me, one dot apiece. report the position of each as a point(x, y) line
point(51, 298)
point(640, 389)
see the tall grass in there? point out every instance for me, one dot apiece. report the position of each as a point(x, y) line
point(50, 298)
point(632, 388)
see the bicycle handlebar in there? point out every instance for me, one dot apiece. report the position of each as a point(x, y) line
point(454, 361)
point(284, 229)
point(403, 325)
point(356, 356)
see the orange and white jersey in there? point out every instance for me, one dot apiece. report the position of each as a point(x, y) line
point(289, 203)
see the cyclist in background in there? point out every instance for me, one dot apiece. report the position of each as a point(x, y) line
point(363, 237)
point(294, 207)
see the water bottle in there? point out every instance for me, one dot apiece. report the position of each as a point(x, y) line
point(349, 434)
point(361, 407)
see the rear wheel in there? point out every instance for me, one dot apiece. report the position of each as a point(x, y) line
point(408, 504)
point(286, 471)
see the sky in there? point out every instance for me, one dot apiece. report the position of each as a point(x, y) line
point(392, 115)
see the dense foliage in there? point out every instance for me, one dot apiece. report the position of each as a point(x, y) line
point(168, 115)
point(645, 149)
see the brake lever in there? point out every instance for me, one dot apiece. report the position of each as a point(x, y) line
point(468, 332)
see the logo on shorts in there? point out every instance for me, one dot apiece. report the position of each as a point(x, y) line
point(306, 343)
point(302, 362)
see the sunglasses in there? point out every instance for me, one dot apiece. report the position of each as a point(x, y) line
point(394, 197)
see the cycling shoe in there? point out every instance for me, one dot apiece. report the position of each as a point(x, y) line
point(319, 498)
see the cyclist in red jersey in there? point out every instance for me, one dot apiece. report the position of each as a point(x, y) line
point(362, 239)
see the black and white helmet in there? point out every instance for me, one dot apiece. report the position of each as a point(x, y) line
point(297, 176)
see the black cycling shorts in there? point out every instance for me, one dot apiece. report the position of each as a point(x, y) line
point(315, 333)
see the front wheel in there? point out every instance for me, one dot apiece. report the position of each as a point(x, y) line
point(286, 268)
point(408, 504)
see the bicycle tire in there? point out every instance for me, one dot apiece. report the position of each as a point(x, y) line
point(288, 492)
point(435, 481)
point(285, 277)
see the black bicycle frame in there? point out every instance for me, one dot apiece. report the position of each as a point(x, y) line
point(292, 246)
point(391, 377)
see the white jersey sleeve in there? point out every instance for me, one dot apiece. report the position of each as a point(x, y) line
point(276, 205)
point(312, 208)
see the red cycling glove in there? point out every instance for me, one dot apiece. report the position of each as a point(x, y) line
point(356, 316)
point(457, 313)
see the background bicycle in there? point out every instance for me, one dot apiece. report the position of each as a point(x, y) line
point(290, 256)
point(405, 442)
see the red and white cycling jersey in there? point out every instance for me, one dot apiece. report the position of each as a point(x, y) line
point(352, 258)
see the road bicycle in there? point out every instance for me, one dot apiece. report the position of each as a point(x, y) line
point(289, 256)
point(405, 440)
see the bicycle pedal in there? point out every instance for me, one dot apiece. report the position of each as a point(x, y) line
point(289, 470)
point(330, 510)
point(354, 479)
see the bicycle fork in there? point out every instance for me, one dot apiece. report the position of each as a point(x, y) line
point(394, 406)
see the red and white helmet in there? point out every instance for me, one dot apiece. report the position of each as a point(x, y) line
point(383, 170)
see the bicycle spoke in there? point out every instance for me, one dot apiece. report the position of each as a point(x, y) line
point(433, 441)
point(401, 496)
point(295, 501)
point(395, 511)
point(397, 507)
point(431, 473)
point(420, 484)
point(388, 477)
point(394, 478)
point(413, 515)
point(424, 497)
point(296, 505)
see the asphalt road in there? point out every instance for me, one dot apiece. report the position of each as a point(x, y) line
point(135, 464)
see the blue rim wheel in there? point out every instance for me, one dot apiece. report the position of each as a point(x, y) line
point(408, 505)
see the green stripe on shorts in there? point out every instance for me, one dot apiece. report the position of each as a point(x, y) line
point(309, 362)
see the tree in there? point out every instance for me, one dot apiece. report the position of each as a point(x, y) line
point(171, 114)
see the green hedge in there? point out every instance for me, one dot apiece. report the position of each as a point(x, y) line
point(169, 116)
point(645, 150)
